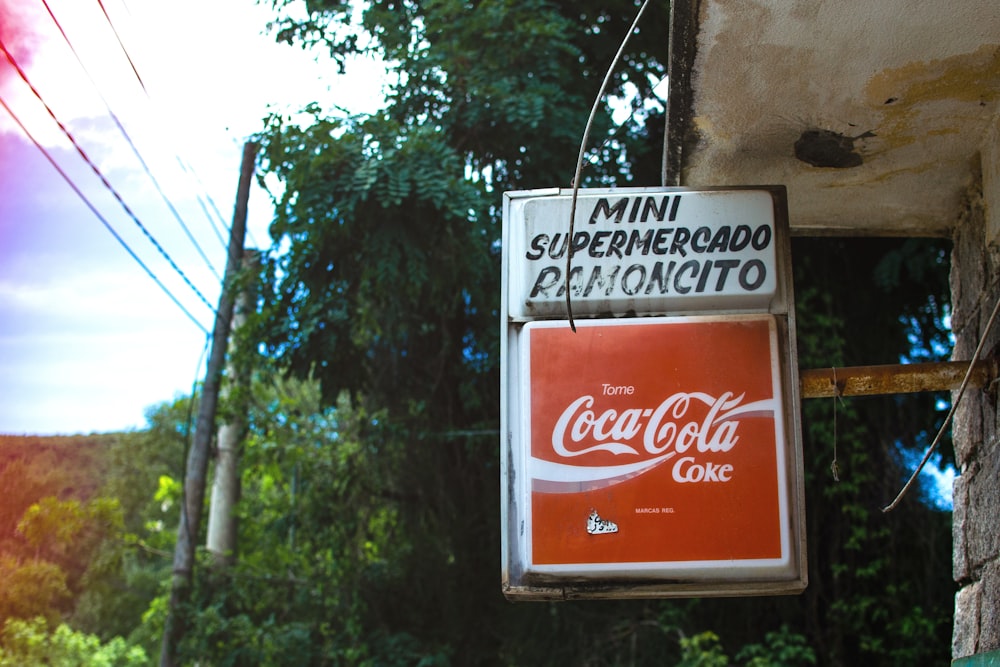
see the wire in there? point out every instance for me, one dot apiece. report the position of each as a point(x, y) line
point(145, 167)
point(187, 169)
point(951, 412)
point(104, 179)
point(100, 217)
point(184, 166)
point(124, 50)
point(583, 150)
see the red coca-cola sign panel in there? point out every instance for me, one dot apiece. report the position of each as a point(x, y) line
point(655, 446)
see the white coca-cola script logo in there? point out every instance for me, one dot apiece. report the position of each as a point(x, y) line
point(674, 427)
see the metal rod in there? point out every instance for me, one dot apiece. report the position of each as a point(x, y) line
point(893, 378)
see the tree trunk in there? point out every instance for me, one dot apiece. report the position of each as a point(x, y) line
point(222, 525)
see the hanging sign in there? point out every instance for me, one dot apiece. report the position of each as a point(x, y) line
point(651, 456)
point(642, 251)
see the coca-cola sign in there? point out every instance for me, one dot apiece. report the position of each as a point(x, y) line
point(650, 446)
point(646, 437)
point(672, 430)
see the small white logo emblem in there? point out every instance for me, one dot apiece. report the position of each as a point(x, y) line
point(598, 526)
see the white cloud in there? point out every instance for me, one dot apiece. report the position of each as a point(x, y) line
point(87, 340)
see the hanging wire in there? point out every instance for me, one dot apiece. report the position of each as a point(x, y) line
point(100, 217)
point(100, 175)
point(951, 413)
point(135, 151)
point(213, 222)
point(124, 50)
point(185, 167)
point(583, 150)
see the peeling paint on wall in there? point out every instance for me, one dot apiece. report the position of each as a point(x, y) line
point(969, 77)
point(936, 97)
point(872, 115)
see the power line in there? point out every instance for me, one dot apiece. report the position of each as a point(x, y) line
point(100, 217)
point(135, 150)
point(184, 166)
point(187, 169)
point(124, 50)
point(104, 179)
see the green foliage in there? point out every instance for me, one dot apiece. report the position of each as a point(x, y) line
point(499, 79)
point(69, 555)
point(865, 574)
point(782, 648)
point(34, 588)
point(161, 449)
point(368, 517)
point(81, 550)
point(29, 642)
point(48, 549)
point(35, 467)
point(380, 280)
point(143, 470)
point(383, 284)
point(73, 546)
point(63, 531)
point(702, 650)
point(321, 512)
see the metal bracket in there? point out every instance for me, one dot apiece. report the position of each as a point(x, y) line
point(896, 378)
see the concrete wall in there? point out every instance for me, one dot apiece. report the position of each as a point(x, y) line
point(976, 528)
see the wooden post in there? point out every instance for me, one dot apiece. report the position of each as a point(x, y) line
point(197, 461)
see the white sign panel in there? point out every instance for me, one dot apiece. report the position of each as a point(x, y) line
point(641, 251)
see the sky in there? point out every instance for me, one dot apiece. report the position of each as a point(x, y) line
point(88, 340)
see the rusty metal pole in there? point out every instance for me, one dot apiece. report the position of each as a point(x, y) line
point(893, 378)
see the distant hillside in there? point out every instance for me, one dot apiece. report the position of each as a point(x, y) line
point(33, 467)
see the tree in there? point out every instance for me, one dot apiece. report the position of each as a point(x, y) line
point(389, 288)
point(54, 546)
point(319, 525)
point(36, 588)
point(383, 285)
point(879, 583)
point(29, 642)
point(34, 467)
point(142, 473)
point(391, 272)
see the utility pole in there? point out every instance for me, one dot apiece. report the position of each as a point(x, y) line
point(197, 461)
point(221, 540)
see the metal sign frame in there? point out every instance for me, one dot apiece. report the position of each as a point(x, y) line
point(639, 432)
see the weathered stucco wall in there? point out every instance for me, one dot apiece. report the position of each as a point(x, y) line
point(868, 112)
point(976, 528)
